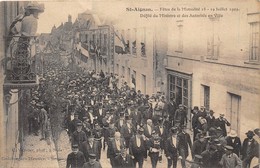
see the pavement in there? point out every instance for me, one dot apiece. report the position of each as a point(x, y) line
point(38, 154)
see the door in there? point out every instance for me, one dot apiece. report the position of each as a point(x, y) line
point(233, 111)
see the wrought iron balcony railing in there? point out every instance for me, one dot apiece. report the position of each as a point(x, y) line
point(20, 60)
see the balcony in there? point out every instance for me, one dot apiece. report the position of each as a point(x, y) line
point(20, 62)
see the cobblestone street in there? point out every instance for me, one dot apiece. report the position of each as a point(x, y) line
point(38, 154)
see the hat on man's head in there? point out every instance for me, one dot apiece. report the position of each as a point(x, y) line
point(75, 146)
point(196, 108)
point(201, 136)
point(250, 133)
point(92, 156)
point(232, 133)
point(257, 131)
point(79, 124)
point(174, 130)
point(211, 111)
point(230, 148)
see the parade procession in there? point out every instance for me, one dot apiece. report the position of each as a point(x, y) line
point(97, 92)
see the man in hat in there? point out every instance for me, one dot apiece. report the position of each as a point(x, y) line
point(199, 145)
point(92, 163)
point(100, 113)
point(136, 116)
point(106, 125)
point(230, 159)
point(148, 128)
point(89, 147)
point(202, 112)
point(90, 116)
point(73, 124)
point(197, 163)
point(33, 118)
point(76, 158)
point(137, 147)
point(234, 141)
point(249, 148)
point(79, 136)
point(128, 130)
point(155, 149)
point(184, 145)
point(195, 122)
point(121, 121)
point(86, 127)
point(171, 151)
point(162, 131)
point(222, 122)
point(209, 156)
point(172, 107)
point(124, 160)
point(180, 116)
point(114, 147)
point(43, 115)
point(97, 132)
point(210, 119)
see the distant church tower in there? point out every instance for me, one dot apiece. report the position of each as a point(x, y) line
point(69, 18)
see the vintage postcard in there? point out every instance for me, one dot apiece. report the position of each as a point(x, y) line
point(119, 83)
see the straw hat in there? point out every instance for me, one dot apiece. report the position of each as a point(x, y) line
point(233, 133)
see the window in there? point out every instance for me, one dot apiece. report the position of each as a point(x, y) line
point(143, 84)
point(206, 96)
point(213, 42)
point(134, 42)
point(180, 36)
point(178, 88)
point(143, 42)
point(254, 41)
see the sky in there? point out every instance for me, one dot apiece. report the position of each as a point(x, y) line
point(57, 12)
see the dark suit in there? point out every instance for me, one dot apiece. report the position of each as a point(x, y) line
point(171, 111)
point(171, 151)
point(236, 144)
point(75, 160)
point(137, 118)
point(222, 124)
point(126, 162)
point(180, 117)
point(87, 149)
point(195, 125)
point(137, 151)
point(184, 142)
point(198, 147)
point(99, 116)
point(73, 125)
point(113, 150)
point(146, 132)
point(163, 133)
point(210, 121)
point(154, 155)
point(249, 150)
point(120, 123)
point(79, 138)
point(127, 132)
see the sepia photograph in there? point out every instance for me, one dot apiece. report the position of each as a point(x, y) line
point(130, 84)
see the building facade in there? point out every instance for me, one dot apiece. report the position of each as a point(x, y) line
point(216, 65)
point(10, 125)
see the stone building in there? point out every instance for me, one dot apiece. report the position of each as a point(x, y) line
point(214, 62)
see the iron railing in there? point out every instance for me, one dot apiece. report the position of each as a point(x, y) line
point(20, 60)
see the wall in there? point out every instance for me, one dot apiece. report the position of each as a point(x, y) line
point(230, 73)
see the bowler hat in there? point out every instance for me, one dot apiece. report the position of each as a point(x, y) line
point(79, 124)
point(250, 133)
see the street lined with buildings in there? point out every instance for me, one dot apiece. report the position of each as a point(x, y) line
point(177, 90)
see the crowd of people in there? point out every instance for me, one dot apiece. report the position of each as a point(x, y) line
point(100, 113)
point(132, 127)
